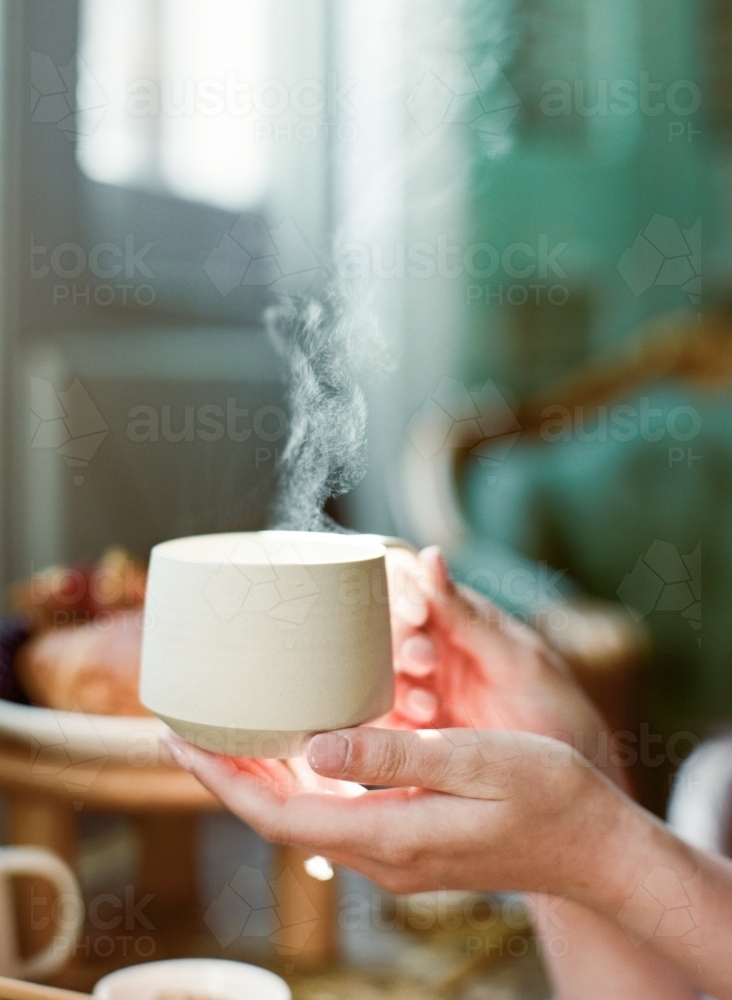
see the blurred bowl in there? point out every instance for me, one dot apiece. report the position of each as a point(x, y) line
point(192, 977)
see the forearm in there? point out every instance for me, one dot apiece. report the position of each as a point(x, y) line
point(664, 895)
point(589, 955)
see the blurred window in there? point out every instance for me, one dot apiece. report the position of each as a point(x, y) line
point(185, 82)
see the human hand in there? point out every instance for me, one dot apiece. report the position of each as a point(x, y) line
point(490, 810)
point(494, 810)
point(410, 590)
point(466, 663)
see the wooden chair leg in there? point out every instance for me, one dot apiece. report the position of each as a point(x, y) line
point(168, 862)
point(307, 912)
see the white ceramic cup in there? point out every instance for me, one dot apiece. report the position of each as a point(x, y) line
point(254, 641)
point(205, 977)
point(33, 861)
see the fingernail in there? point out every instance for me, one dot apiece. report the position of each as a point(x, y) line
point(419, 655)
point(179, 754)
point(328, 752)
point(421, 705)
point(435, 558)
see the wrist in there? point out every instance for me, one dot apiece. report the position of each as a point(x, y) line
point(613, 833)
point(597, 821)
point(639, 870)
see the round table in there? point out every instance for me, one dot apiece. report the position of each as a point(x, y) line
point(45, 795)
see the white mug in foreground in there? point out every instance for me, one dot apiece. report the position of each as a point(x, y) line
point(192, 976)
point(254, 641)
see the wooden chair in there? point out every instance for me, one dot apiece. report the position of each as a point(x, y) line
point(602, 643)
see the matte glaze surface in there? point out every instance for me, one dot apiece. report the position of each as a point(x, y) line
point(255, 640)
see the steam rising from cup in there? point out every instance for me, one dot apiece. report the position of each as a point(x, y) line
point(327, 343)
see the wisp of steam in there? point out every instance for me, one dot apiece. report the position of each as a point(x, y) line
point(331, 341)
point(328, 342)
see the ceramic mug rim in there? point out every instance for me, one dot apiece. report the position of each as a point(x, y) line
point(344, 548)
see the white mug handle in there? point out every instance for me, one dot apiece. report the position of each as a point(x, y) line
point(390, 542)
point(44, 864)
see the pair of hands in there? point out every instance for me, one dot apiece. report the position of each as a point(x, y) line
point(486, 790)
point(486, 756)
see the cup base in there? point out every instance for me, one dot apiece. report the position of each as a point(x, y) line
point(234, 742)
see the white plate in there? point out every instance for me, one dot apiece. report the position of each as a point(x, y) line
point(85, 737)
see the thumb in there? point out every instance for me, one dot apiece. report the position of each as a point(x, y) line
point(463, 762)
